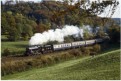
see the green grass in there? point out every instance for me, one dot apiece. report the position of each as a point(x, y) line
point(104, 67)
point(18, 46)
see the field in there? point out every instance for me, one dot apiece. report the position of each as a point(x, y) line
point(105, 66)
point(17, 47)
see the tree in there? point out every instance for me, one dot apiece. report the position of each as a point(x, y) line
point(4, 24)
point(27, 32)
point(87, 35)
point(100, 33)
point(114, 33)
point(52, 14)
point(14, 35)
point(42, 27)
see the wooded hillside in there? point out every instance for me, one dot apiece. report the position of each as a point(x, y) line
point(22, 19)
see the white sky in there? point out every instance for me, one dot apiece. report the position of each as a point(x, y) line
point(117, 13)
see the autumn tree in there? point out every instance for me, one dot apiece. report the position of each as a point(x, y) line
point(114, 33)
point(26, 18)
point(16, 26)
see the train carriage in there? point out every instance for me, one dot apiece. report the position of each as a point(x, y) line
point(78, 44)
point(61, 46)
point(90, 42)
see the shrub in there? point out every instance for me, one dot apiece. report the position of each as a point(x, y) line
point(93, 53)
point(56, 58)
point(7, 68)
point(20, 66)
point(50, 59)
point(34, 63)
point(3, 69)
point(11, 66)
point(6, 52)
point(114, 34)
point(9, 52)
point(87, 51)
point(82, 49)
point(45, 60)
point(65, 56)
point(96, 48)
point(74, 52)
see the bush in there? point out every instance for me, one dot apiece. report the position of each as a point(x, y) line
point(65, 56)
point(93, 53)
point(50, 60)
point(11, 66)
point(9, 52)
point(96, 48)
point(114, 34)
point(82, 49)
point(74, 52)
point(20, 66)
point(87, 51)
point(56, 58)
point(46, 60)
point(4, 69)
point(6, 52)
point(37, 62)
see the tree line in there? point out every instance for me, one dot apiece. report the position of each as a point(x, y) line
point(22, 19)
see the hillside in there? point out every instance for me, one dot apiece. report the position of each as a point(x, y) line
point(27, 18)
point(103, 66)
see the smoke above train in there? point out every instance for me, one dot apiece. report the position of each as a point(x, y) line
point(58, 34)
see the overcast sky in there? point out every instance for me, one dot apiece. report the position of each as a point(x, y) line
point(117, 13)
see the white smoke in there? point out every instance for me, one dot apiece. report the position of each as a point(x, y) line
point(55, 35)
point(88, 28)
point(59, 34)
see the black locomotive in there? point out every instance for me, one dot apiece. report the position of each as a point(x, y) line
point(41, 49)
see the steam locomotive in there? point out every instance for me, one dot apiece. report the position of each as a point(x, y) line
point(41, 49)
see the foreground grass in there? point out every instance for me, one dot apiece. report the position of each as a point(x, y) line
point(104, 66)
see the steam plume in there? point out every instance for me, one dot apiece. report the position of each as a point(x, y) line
point(55, 35)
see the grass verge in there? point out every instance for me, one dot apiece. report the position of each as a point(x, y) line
point(104, 67)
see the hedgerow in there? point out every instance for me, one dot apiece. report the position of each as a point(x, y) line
point(12, 66)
